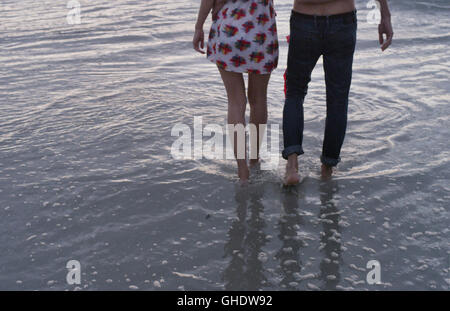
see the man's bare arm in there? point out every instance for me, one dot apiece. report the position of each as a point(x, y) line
point(385, 27)
point(384, 8)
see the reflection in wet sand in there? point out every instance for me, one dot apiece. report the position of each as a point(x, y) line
point(246, 237)
point(288, 225)
point(330, 237)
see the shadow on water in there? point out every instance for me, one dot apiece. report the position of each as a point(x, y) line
point(247, 236)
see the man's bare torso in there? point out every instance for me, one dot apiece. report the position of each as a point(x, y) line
point(324, 7)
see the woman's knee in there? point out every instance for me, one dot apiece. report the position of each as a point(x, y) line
point(256, 97)
point(237, 103)
point(257, 89)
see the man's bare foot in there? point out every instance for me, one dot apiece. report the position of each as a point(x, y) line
point(326, 171)
point(292, 178)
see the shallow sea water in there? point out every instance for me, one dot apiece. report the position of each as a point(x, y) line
point(86, 173)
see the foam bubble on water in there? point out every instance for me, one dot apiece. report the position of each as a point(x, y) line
point(31, 237)
point(368, 249)
point(353, 266)
point(262, 257)
point(312, 286)
point(422, 267)
point(308, 276)
point(289, 262)
point(186, 275)
point(340, 287)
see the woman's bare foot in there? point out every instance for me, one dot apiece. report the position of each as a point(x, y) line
point(292, 177)
point(326, 171)
point(254, 163)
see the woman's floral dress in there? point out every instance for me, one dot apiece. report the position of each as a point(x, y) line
point(243, 37)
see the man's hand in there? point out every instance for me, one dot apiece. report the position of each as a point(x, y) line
point(199, 40)
point(385, 28)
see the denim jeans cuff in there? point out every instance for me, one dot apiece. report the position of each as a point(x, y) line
point(329, 161)
point(292, 149)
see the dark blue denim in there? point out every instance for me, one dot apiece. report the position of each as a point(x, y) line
point(333, 37)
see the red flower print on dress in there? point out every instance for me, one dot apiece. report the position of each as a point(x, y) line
point(224, 13)
point(260, 38)
point(264, 2)
point(273, 29)
point(238, 60)
point(257, 57)
point(254, 71)
point(225, 48)
point(248, 26)
point(269, 66)
point(221, 65)
point(237, 14)
point(272, 11)
point(253, 8)
point(263, 19)
point(242, 44)
point(212, 34)
point(272, 47)
point(230, 30)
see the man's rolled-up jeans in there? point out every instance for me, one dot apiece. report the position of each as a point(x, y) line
point(334, 37)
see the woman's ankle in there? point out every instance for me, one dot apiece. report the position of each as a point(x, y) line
point(243, 171)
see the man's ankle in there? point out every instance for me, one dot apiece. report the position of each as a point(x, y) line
point(292, 163)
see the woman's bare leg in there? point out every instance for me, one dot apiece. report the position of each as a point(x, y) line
point(237, 101)
point(257, 98)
